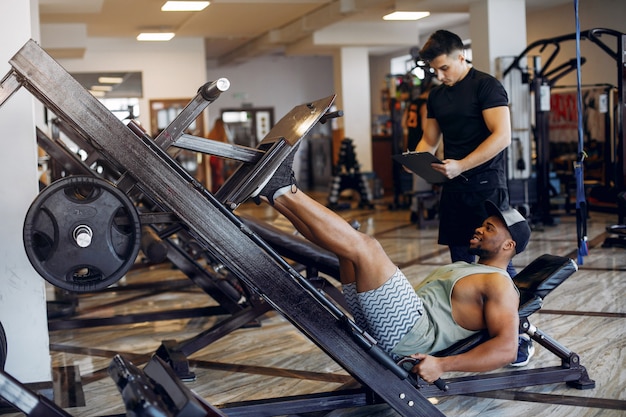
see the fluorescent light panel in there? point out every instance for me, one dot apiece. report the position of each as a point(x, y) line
point(155, 36)
point(400, 15)
point(110, 80)
point(184, 6)
point(101, 88)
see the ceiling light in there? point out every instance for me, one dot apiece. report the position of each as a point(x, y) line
point(155, 36)
point(399, 15)
point(184, 6)
point(110, 80)
point(101, 88)
point(97, 93)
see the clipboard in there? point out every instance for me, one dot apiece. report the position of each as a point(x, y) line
point(419, 163)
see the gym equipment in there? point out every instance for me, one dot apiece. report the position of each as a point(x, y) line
point(161, 235)
point(156, 391)
point(209, 220)
point(82, 234)
point(153, 391)
point(25, 400)
point(617, 232)
point(539, 82)
point(534, 282)
point(348, 176)
point(244, 306)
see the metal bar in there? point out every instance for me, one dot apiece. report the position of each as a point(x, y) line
point(298, 404)
point(221, 329)
point(206, 95)
point(62, 155)
point(33, 405)
point(224, 237)
point(620, 177)
point(9, 85)
point(66, 324)
point(221, 149)
point(506, 380)
point(220, 292)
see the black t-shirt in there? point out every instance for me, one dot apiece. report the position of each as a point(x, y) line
point(458, 111)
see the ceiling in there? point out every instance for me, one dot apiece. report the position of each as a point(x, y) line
point(237, 30)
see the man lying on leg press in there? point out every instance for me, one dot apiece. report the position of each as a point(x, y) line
point(454, 302)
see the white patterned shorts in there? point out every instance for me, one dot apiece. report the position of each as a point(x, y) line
point(388, 312)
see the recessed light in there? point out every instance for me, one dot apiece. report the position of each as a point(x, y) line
point(184, 6)
point(155, 36)
point(399, 15)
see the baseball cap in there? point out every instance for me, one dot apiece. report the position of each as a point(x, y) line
point(516, 224)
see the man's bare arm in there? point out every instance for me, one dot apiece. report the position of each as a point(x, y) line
point(502, 321)
point(498, 121)
point(430, 138)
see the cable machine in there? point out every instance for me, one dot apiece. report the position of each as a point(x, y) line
point(539, 81)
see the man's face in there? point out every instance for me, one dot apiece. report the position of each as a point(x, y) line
point(489, 238)
point(449, 69)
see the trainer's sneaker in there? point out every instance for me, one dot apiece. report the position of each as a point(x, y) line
point(282, 182)
point(525, 351)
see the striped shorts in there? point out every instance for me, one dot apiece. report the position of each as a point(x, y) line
point(388, 312)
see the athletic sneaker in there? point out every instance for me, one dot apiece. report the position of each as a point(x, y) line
point(283, 180)
point(525, 351)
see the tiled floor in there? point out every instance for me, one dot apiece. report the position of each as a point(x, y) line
point(587, 314)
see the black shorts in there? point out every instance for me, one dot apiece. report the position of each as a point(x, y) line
point(460, 213)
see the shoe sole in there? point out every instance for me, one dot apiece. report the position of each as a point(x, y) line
point(256, 192)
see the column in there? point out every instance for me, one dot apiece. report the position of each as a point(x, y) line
point(352, 83)
point(22, 290)
point(497, 29)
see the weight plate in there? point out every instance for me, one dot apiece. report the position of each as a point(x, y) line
point(82, 234)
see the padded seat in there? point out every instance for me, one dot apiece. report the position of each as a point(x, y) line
point(294, 247)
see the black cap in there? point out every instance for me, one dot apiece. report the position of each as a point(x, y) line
point(516, 224)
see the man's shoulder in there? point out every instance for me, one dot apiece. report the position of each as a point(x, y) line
point(480, 75)
point(487, 274)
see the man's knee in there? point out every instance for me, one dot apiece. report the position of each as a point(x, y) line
point(370, 247)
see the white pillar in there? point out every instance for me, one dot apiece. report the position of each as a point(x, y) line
point(352, 72)
point(22, 290)
point(497, 29)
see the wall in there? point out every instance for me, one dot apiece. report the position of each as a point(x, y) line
point(22, 290)
point(379, 64)
point(281, 82)
point(174, 69)
point(558, 21)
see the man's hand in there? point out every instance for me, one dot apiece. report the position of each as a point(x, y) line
point(428, 367)
point(451, 168)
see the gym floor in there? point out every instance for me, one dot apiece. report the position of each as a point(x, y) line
point(587, 314)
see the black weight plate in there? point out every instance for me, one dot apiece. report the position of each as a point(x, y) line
point(93, 203)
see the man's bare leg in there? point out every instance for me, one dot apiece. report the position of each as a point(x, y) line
point(361, 257)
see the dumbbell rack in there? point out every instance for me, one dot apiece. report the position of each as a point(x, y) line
point(147, 167)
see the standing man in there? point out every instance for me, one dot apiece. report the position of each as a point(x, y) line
point(469, 113)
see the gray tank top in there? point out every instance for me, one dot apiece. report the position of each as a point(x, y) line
point(436, 329)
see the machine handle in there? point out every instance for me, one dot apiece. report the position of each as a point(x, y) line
point(212, 90)
point(408, 363)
